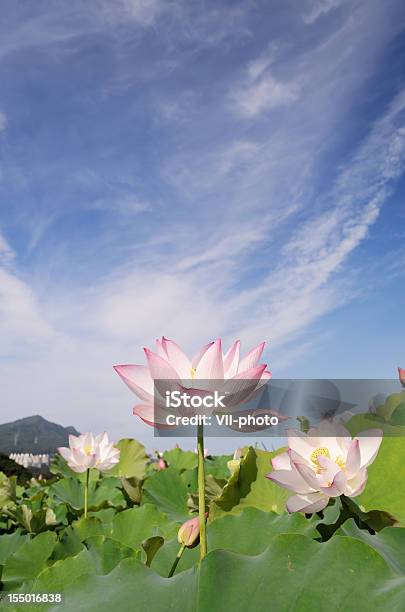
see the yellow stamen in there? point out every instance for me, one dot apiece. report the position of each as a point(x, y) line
point(321, 451)
point(87, 449)
point(341, 463)
point(193, 372)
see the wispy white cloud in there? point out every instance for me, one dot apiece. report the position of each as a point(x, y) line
point(317, 8)
point(22, 324)
point(7, 254)
point(122, 205)
point(146, 12)
point(263, 94)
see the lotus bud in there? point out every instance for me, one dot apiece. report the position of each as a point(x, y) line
point(161, 464)
point(401, 374)
point(189, 532)
point(233, 464)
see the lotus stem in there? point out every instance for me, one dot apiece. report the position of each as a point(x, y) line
point(177, 559)
point(86, 492)
point(201, 491)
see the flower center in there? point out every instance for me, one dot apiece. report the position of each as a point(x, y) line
point(322, 450)
point(87, 449)
point(192, 372)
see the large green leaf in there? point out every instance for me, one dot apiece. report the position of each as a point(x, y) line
point(57, 577)
point(168, 491)
point(385, 485)
point(68, 545)
point(10, 543)
point(218, 466)
point(106, 553)
point(104, 492)
point(131, 527)
point(133, 460)
point(87, 527)
point(248, 533)
point(70, 491)
point(180, 459)
point(131, 586)
point(296, 573)
point(7, 490)
point(293, 573)
point(392, 428)
point(248, 486)
point(29, 559)
point(390, 542)
point(391, 405)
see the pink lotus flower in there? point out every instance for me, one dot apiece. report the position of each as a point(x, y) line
point(87, 451)
point(401, 374)
point(318, 466)
point(169, 363)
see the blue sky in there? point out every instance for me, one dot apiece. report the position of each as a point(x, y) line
point(197, 169)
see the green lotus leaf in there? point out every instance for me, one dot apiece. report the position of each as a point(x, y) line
point(218, 466)
point(10, 543)
point(168, 491)
point(180, 459)
point(69, 544)
point(390, 543)
point(105, 515)
point(131, 527)
point(29, 559)
point(8, 490)
point(385, 487)
point(104, 492)
point(293, 573)
point(390, 405)
point(150, 547)
point(106, 553)
point(249, 486)
point(296, 573)
point(133, 460)
point(133, 488)
point(59, 576)
point(87, 527)
point(247, 533)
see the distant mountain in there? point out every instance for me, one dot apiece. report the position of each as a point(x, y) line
point(33, 435)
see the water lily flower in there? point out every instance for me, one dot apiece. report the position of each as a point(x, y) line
point(189, 532)
point(401, 374)
point(318, 466)
point(87, 451)
point(241, 376)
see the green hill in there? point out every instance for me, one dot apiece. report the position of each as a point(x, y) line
point(33, 435)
